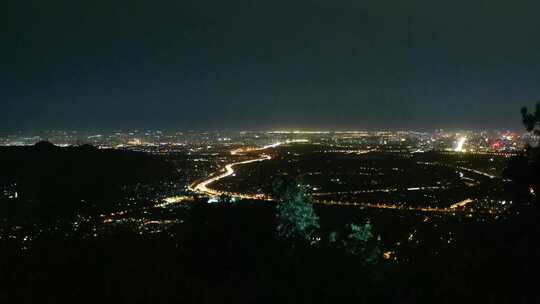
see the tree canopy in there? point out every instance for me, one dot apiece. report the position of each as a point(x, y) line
point(531, 120)
point(295, 215)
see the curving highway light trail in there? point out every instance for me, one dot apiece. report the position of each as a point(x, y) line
point(203, 186)
point(229, 170)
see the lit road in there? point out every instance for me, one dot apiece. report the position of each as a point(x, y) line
point(203, 186)
point(463, 203)
point(460, 143)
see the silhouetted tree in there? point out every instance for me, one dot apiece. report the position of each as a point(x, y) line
point(531, 120)
point(361, 241)
point(524, 169)
point(295, 215)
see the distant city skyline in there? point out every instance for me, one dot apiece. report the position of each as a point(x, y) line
point(97, 131)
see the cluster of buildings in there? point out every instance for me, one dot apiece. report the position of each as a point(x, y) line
point(159, 141)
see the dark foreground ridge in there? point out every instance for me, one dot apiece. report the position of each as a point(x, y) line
point(231, 255)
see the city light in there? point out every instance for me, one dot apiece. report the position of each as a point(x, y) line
point(460, 143)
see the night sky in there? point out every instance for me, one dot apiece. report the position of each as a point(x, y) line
point(211, 64)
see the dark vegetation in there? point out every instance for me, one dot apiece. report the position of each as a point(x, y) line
point(230, 254)
point(51, 181)
point(524, 169)
point(218, 255)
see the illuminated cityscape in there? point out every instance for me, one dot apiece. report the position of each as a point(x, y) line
point(211, 161)
point(419, 189)
point(304, 151)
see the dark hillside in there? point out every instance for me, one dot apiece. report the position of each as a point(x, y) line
point(59, 177)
